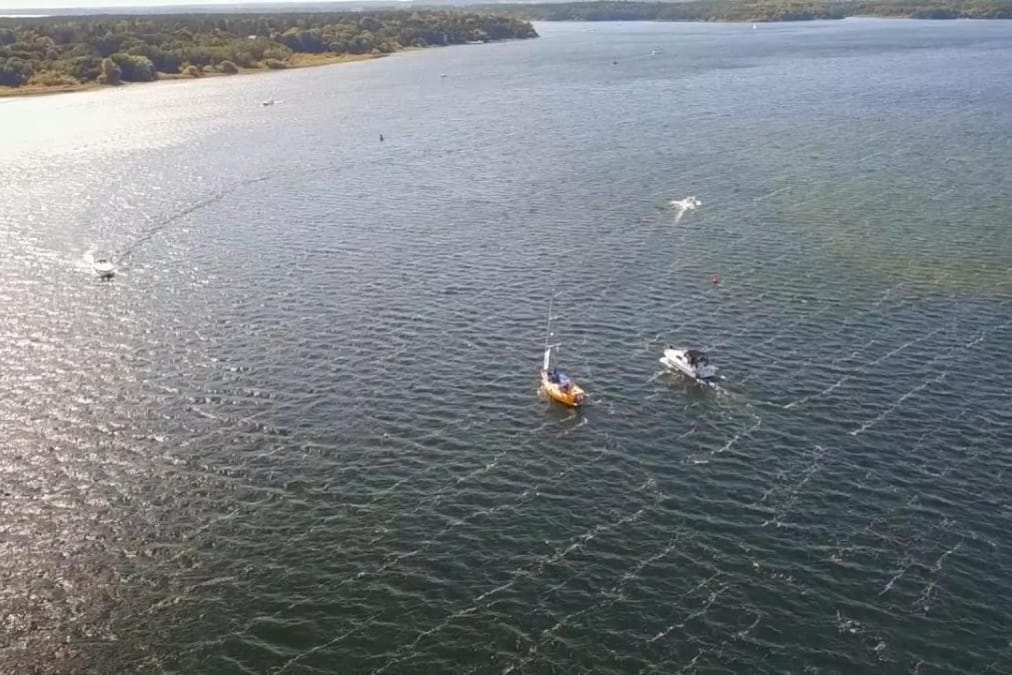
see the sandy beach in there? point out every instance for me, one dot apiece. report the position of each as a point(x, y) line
point(296, 61)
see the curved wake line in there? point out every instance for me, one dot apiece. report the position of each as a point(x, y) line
point(161, 226)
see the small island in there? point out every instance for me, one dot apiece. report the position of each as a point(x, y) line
point(60, 53)
point(750, 11)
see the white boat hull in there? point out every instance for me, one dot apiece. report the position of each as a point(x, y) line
point(104, 269)
point(676, 359)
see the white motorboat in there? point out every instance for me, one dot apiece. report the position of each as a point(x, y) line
point(687, 204)
point(268, 102)
point(694, 363)
point(104, 268)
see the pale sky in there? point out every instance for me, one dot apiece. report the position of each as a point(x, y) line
point(43, 5)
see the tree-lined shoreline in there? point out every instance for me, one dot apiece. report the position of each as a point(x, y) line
point(69, 53)
point(750, 11)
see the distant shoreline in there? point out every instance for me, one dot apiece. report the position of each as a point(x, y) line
point(61, 54)
point(327, 60)
point(753, 11)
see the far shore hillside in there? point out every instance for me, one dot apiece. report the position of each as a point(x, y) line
point(755, 11)
point(58, 53)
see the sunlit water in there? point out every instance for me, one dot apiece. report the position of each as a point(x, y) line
point(299, 431)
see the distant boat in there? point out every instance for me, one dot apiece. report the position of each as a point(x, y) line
point(268, 102)
point(442, 75)
point(104, 268)
point(687, 204)
point(554, 382)
point(754, 26)
point(654, 52)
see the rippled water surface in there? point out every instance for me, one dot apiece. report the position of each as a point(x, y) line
point(299, 432)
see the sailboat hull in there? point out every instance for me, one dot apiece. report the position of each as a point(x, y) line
point(573, 395)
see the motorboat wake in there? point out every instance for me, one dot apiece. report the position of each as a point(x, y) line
point(681, 206)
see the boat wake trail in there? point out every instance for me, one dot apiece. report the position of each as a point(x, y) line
point(160, 226)
point(680, 206)
point(87, 259)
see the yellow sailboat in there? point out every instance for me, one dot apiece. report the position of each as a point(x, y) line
point(554, 383)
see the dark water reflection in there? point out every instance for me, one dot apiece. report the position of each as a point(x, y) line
point(299, 432)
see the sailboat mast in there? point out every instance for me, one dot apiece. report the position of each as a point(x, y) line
point(548, 334)
point(548, 324)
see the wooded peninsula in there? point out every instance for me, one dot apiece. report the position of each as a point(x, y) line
point(758, 10)
point(67, 53)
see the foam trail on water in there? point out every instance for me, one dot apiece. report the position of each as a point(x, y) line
point(87, 259)
point(682, 205)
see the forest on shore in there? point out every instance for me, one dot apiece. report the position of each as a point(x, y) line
point(70, 51)
point(758, 10)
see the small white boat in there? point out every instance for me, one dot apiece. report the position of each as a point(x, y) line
point(268, 102)
point(687, 204)
point(694, 363)
point(104, 268)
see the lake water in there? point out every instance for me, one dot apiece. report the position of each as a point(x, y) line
point(299, 432)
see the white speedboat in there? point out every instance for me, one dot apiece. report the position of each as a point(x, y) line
point(694, 363)
point(268, 102)
point(687, 204)
point(104, 268)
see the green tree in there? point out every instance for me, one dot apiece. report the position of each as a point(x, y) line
point(135, 68)
point(245, 60)
point(111, 49)
point(110, 72)
point(363, 43)
point(85, 68)
point(14, 72)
